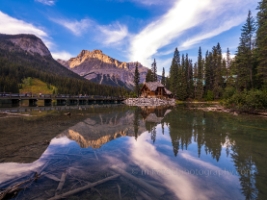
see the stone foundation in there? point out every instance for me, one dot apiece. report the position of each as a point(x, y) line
point(149, 102)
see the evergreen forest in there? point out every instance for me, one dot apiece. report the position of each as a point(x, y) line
point(16, 66)
point(239, 82)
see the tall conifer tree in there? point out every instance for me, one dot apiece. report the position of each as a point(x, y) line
point(136, 79)
point(261, 42)
point(163, 79)
point(218, 79)
point(173, 80)
point(199, 89)
point(154, 71)
point(149, 77)
point(244, 55)
point(182, 84)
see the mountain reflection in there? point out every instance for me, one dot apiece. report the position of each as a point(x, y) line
point(167, 146)
point(212, 133)
point(102, 128)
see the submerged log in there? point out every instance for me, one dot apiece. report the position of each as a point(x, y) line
point(144, 195)
point(119, 191)
point(90, 185)
point(14, 189)
point(52, 177)
point(155, 191)
point(61, 183)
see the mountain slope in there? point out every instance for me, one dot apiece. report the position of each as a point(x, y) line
point(23, 56)
point(102, 69)
point(31, 50)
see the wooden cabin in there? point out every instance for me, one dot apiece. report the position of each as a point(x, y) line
point(155, 89)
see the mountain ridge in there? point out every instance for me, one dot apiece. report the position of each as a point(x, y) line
point(24, 42)
point(103, 69)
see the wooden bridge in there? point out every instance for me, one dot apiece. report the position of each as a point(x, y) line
point(62, 99)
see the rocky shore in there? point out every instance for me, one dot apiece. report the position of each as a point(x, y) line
point(220, 108)
point(149, 102)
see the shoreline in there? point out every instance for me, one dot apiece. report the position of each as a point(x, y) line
point(149, 102)
point(216, 107)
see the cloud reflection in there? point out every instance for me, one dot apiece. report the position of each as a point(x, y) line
point(172, 173)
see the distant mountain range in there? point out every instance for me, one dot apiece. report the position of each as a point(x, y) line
point(91, 65)
point(100, 68)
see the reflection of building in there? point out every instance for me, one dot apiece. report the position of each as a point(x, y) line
point(155, 89)
point(154, 114)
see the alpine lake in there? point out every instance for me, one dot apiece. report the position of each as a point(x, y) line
point(121, 152)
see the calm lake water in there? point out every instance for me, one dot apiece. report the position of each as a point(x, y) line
point(164, 153)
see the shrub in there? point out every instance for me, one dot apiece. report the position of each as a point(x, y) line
point(229, 92)
point(251, 100)
point(209, 96)
point(254, 99)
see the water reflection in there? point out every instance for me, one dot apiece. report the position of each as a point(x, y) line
point(179, 154)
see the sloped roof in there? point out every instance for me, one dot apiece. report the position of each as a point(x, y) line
point(152, 86)
point(167, 91)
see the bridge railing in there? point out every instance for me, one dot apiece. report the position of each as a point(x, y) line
point(30, 95)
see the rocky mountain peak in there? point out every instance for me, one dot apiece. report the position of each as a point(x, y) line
point(97, 51)
point(98, 58)
point(24, 42)
point(103, 69)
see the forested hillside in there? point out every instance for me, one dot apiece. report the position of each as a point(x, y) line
point(17, 64)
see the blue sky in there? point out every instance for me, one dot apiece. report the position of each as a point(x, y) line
point(129, 30)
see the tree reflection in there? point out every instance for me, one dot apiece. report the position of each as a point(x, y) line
point(136, 122)
point(215, 133)
point(152, 117)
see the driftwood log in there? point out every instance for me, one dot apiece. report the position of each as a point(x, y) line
point(154, 191)
point(61, 183)
point(14, 189)
point(90, 185)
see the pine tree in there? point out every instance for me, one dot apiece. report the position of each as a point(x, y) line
point(199, 89)
point(154, 71)
point(136, 79)
point(173, 79)
point(227, 66)
point(190, 83)
point(182, 83)
point(244, 57)
point(261, 42)
point(163, 79)
point(209, 73)
point(195, 74)
point(149, 76)
point(228, 58)
point(217, 67)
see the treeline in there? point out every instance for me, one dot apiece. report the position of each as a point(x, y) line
point(16, 66)
point(240, 82)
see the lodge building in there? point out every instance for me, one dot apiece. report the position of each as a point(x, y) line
point(155, 89)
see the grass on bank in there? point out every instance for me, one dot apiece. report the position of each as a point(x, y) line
point(36, 86)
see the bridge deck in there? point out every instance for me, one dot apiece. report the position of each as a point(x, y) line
point(51, 97)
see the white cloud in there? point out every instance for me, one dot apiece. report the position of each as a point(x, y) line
point(113, 33)
point(232, 56)
point(10, 25)
point(163, 63)
point(211, 32)
point(150, 2)
point(161, 32)
point(181, 171)
point(192, 19)
point(76, 27)
point(62, 55)
point(46, 2)
point(105, 34)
